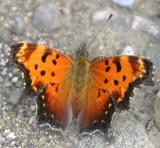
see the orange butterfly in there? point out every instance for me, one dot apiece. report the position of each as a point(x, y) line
point(89, 90)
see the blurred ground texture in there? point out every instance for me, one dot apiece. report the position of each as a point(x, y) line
point(134, 29)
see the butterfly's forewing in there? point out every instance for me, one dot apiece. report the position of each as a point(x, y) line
point(112, 83)
point(47, 73)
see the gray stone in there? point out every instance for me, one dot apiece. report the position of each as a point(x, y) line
point(1, 138)
point(147, 25)
point(4, 72)
point(16, 96)
point(1, 79)
point(154, 53)
point(157, 110)
point(5, 35)
point(18, 27)
point(128, 131)
point(7, 84)
point(30, 145)
point(46, 17)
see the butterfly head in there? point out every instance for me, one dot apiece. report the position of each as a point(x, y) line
point(82, 51)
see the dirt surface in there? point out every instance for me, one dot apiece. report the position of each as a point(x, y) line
point(133, 29)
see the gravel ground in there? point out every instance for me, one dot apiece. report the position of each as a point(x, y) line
point(133, 29)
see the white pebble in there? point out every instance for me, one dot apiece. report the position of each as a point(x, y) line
point(128, 50)
point(102, 15)
point(11, 135)
point(125, 3)
point(14, 79)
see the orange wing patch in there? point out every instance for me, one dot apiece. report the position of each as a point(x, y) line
point(113, 81)
point(47, 71)
point(121, 74)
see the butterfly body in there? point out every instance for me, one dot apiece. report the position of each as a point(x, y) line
point(88, 90)
point(80, 75)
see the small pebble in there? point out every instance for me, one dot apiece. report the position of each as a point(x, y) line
point(15, 97)
point(31, 120)
point(5, 35)
point(4, 72)
point(128, 50)
point(1, 138)
point(19, 26)
point(30, 145)
point(45, 17)
point(101, 15)
point(14, 79)
point(10, 75)
point(3, 62)
point(11, 135)
point(124, 3)
point(42, 41)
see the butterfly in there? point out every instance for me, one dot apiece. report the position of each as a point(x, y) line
point(90, 90)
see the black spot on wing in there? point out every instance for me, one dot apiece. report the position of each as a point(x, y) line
point(124, 78)
point(106, 81)
point(116, 61)
point(35, 66)
point(45, 55)
point(116, 82)
point(108, 68)
point(133, 60)
point(53, 84)
point(54, 62)
point(106, 62)
point(43, 73)
point(57, 56)
point(52, 73)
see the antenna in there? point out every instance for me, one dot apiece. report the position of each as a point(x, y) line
point(61, 12)
point(99, 30)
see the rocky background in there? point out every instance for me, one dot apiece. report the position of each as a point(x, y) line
point(133, 29)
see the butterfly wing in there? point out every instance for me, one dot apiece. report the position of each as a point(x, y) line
point(112, 82)
point(47, 73)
